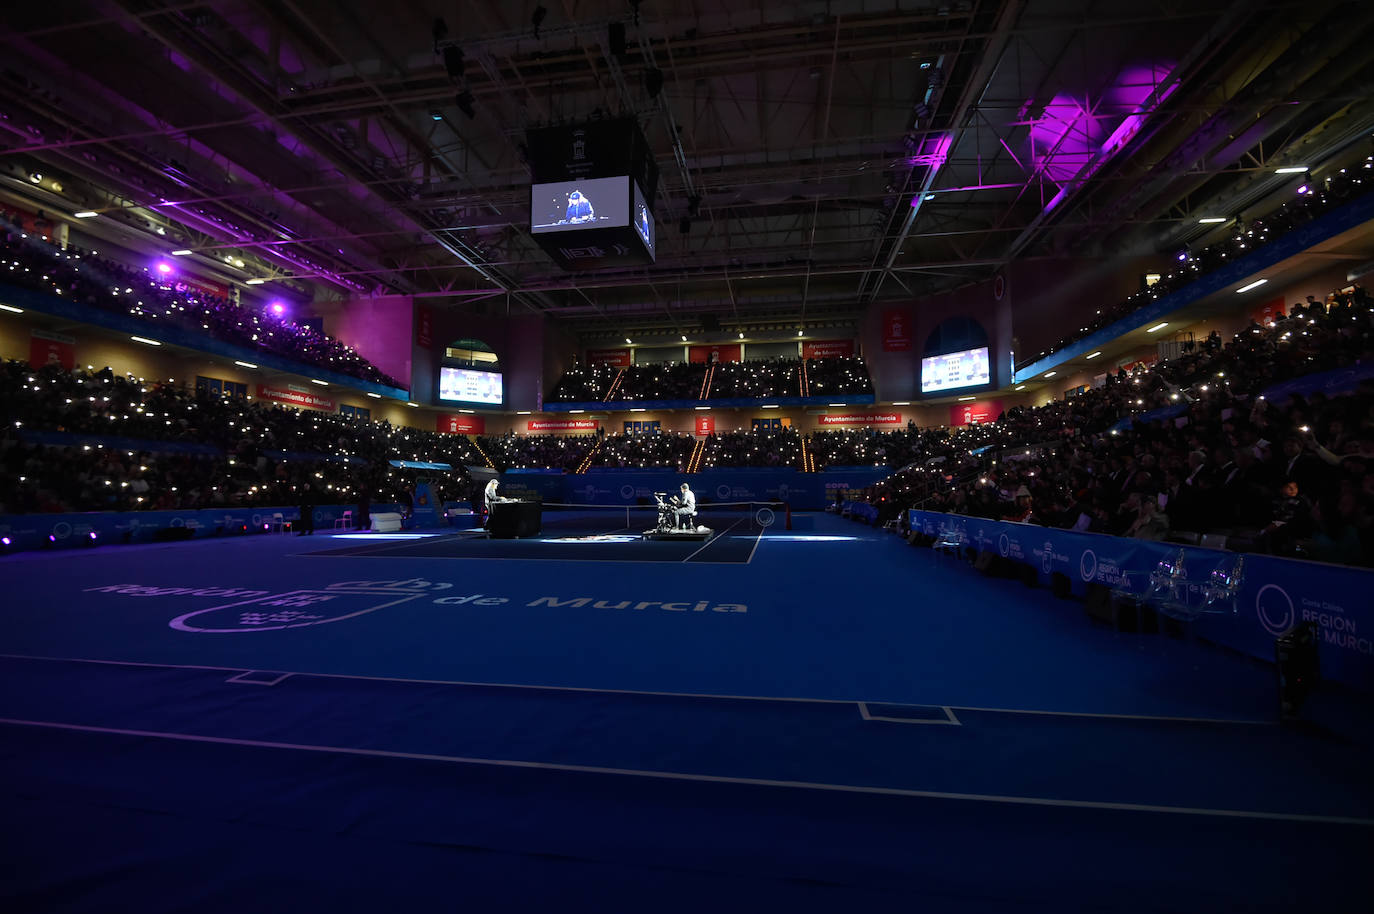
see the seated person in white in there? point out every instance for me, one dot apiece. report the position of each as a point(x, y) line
point(489, 497)
point(686, 503)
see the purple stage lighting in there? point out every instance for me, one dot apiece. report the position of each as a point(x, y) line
point(278, 308)
point(5, 541)
point(163, 267)
point(1303, 189)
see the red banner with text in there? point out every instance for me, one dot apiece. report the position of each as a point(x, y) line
point(725, 352)
point(294, 396)
point(1268, 311)
point(424, 327)
point(975, 413)
point(706, 425)
point(860, 419)
point(46, 348)
point(562, 425)
point(896, 330)
point(461, 424)
point(616, 358)
point(827, 349)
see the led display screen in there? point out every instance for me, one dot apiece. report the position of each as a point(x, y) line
point(466, 386)
point(968, 368)
point(574, 205)
point(643, 221)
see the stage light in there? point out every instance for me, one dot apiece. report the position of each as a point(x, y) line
point(255, 281)
point(86, 214)
point(181, 253)
point(319, 382)
point(962, 399)
point(145, 341)
point(5, 541)
point(769, 406)
point(244, 364)
point(1290, 170)
point(12, 309)
point(413, 405)
point(1211, 220)
point(1019, 387)
point(374, 396)
point(628, 341)
point(741, 336)
point(278, 308)
point(684, 339)
point(1049, 374)
point(1093, 355)
point(1182, 256)
point(1159, 326)
point(35, 177)
point(163, 267)
point(435, 114)
point(1254, 285)
point(799, 333)
point(1304, 189)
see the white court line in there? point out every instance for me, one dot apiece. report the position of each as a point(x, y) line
point(716, 537)
point(702, 778)
point(262, 682)
point(644, 692)
point(750, 560)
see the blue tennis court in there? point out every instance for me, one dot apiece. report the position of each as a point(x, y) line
point(823, 717)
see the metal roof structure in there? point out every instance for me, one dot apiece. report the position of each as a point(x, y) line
point(822, 156)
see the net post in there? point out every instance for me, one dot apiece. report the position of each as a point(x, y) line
point(787, 511)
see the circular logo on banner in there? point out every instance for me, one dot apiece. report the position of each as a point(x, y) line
point(765, 517)
point(177, 522)
point(1274, 608)
point(1004, 545)
point(722, 491)
point(627, 491)
point(62, 530)
point(257, 519)
point(1087, 565)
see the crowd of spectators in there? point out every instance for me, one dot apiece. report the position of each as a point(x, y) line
point(99, 282)
point(774, 447)
point(757, 378)
point(669, 450)
point(753, 379)
point(525, 452)
point(1289, 475)
point(584, 384)
point(1313, 200)
point(837, 377)
point(191, 448)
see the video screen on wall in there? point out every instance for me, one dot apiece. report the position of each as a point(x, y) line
point(644, 221)
point(574, 205)
point(968, 368)
point(466, 386)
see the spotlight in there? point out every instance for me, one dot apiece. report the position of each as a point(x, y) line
point(163, 267)
point(537, 18)
point(464, 102)
point(1182, 256)
point(653, 81)
point(5, 541)
point(453, 62)
point(277, 308)
point(35, 177)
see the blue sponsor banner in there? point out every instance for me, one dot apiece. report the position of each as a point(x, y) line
point(1145, 418)
point(32, 531)
point(1338, 380)
point(1274, 594)
point(117, 443)
point(546, 485)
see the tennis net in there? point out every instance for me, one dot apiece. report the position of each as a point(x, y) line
point(719, 517)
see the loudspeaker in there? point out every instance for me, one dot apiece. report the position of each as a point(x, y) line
point(1125, 612)
point(1297, 666)
point(1028, 575)
point(986, 562)
point(1060, 585)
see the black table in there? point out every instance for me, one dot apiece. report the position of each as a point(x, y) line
point(514, 519)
